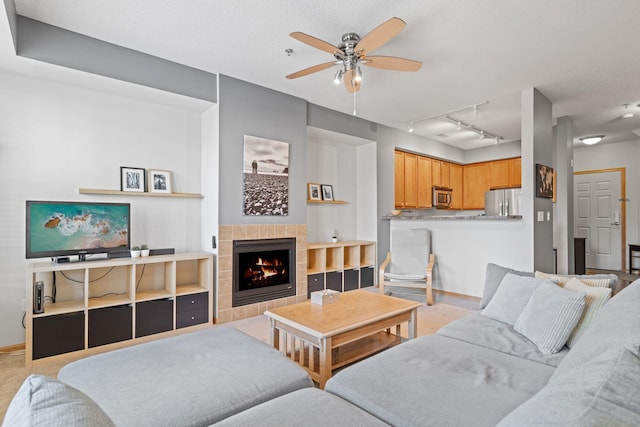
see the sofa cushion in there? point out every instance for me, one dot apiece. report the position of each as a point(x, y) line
point(596, 298)
point(486, 332)
point(44, 401)
point(597, 280)
point(306, 407)
point(550, 316)
point(511, 298)
point(436, 380)
point(603, 392)
point(494, 275)
point(193, 379)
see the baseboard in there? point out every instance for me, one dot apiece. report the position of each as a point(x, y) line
point(457, 295)
point(12, 348)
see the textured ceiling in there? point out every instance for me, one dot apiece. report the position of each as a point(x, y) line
point(583, 55)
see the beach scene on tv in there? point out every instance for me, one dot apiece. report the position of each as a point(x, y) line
point(62, 226)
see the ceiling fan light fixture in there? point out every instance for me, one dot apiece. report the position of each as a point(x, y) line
point(591, 140)
point(358, 77)
point(338, 77)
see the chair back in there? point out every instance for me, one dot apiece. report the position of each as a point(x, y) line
point(410, 251)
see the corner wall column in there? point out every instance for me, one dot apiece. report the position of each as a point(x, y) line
point(563, 224)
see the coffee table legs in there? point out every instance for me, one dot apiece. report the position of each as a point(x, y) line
point(326, 362)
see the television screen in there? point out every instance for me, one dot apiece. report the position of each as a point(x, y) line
point(76, 228)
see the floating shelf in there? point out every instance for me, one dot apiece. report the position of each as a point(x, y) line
point(133, 193)
point(329, 202)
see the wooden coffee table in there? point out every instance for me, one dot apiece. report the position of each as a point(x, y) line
point(322, 338)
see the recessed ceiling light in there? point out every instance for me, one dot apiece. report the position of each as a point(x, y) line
point(590, 140)
point(626, 115)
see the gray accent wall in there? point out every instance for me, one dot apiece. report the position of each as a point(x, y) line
point(248, 109)
point(54, 45)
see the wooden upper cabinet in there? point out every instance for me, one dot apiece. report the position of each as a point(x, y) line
point(499, 174)
point(515, 172)
point(455, 177)
point(476, 180)
point(424, 181)
point(410, 180)
point(436, 169)
point(399, 179)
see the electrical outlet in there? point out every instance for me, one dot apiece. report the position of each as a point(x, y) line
point(24, 309)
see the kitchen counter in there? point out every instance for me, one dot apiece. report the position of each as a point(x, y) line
point(453, 217)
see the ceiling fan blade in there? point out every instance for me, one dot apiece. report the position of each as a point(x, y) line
point(350, 82)
point(311, 70)
point(380, 35)
point(392, 63)
point(317, 43)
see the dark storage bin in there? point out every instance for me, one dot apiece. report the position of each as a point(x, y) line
point(58, 334)
point(315, 282)
point(351, 280)
point(110, 324)
point(366, 277)
point(153, 317)
point(334, 280)
point(192, 310)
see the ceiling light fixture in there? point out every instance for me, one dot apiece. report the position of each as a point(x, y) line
point(410, 127)
point(590, 140)
point(358, 74)
point(475, 110)
point(461, 123)
point(628, 114)
point(458, 127)
point(338, 77)
point(482, 133)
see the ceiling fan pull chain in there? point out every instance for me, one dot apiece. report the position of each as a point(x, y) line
point(354, 103)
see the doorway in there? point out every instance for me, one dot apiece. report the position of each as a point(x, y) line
point(599, 211)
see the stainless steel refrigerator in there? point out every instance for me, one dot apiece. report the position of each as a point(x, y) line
point(503, 202)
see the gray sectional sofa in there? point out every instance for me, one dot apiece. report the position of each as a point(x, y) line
point(476, 371)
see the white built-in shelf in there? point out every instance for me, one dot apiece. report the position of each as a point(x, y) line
point(133, 193)
point(329, 202)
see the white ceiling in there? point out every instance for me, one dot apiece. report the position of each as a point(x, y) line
point(583, 55)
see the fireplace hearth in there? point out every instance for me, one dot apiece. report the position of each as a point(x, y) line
point(263, 270)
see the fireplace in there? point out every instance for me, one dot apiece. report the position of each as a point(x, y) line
point(263, 270)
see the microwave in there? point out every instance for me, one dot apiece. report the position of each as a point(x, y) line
point(442, 197)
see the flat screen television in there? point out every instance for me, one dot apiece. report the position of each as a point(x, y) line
point(62, 229)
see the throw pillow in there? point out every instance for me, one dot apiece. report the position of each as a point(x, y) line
point(597, 280)
point(511, 298)
point(596, 298)
point(550, 316)
point(45, 401)
point(494, 275)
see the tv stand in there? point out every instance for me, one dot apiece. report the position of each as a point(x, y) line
point(105, 304)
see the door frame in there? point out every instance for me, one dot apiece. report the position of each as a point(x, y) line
point(623, 209)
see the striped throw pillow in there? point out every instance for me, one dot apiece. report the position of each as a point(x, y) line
point(596, 299)
point(599, 282)
point(550, 316)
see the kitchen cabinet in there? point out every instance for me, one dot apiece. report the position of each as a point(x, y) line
point(424, 181)
point(455, 177)
point(499, 174)
point(476, 180)
point(441, 173)
point(515, 172)
point(399, 179)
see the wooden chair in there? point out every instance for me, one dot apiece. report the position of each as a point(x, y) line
point(410, 262)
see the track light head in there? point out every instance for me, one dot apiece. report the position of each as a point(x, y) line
point(410, 127)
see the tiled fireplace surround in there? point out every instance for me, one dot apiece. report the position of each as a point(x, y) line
point(226, 235)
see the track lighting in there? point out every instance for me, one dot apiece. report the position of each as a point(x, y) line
point(338, 77)
point(481, 135)
point(475, 110)
point(458, 127)
point(628, 114)
point(410, 127)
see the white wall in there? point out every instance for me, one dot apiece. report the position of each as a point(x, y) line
point(616, 155)
point(56, 138)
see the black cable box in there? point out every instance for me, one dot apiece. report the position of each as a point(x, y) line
point(167, 251)
point(125, 254)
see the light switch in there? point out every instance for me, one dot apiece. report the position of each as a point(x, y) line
point(540, 216)
point(548, 216)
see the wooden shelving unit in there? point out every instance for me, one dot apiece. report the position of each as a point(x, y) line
point(133, 193)
point(113, 303)
point(340, 266)
point(328, 202)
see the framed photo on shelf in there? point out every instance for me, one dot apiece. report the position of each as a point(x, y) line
point(327, 192)
point(159, 181)
point(313, 191)
point(132, 179)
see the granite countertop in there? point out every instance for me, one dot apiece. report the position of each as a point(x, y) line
point(454, 217)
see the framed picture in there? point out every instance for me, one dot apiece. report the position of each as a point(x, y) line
point(159, 181)
point(132, 179)
point(313, 191)
point(266, 177)
point(544, 181)
point(327, 192)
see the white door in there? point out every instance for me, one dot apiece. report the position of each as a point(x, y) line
point(597, 217)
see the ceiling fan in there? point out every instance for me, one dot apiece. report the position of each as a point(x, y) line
point(354, 51)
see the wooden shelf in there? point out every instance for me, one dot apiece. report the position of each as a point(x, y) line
point(328, 202)
point(133, 193)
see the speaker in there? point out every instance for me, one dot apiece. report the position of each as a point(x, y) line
point(38, 298)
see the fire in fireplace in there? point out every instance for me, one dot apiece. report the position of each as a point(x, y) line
point(263, 270)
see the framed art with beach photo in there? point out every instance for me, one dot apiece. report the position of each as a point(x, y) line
point(132, 179)
point(159, 181)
